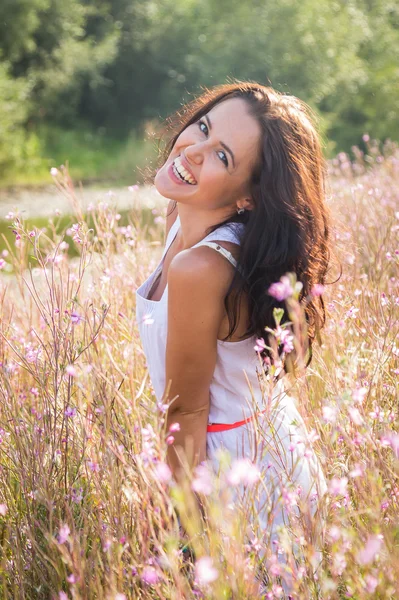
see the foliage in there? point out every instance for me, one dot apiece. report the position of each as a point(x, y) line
point(115, 64)
point(14, 110)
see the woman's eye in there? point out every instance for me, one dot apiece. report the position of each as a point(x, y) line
point(226, 162)
point(202, 123)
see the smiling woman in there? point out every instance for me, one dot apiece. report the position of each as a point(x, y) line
point(245, 175)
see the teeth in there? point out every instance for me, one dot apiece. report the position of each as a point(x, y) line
point(183, 172)
point(176, 172)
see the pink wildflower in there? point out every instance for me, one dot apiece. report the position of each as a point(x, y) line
point(170, 439)
point(355, 416)
point(54, 171)
point(274, 566)
point(317, 289)
point(163, 472)
point(334, 533)
point(351, 313)
point(71, 371)
point(277, 591)
point(70, 411)
point(32, 354)
point(371, 583)
point(359, 394)
point(338, 486)
point(284, 336)
point(75, 318)
point(150, 575)
point(148, 432)
point(63, 534)
point(3, 509)
point(313, 436)
point(282, 289)
point(174, 427)
point(392, 439)
point(289, 497)
point(357, 471)
point(260, 345)
point(384, 299)
point(370, 550)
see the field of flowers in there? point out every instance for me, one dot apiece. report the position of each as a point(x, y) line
point(88, 508)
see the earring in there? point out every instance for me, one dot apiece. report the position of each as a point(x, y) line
point(240, 210)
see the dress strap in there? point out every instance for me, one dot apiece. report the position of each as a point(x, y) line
point(171, 235)
point(223, 251)
point(227, 234)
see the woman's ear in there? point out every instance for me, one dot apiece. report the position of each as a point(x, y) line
point(248, 204)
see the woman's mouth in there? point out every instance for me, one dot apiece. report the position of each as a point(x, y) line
point(179, 174)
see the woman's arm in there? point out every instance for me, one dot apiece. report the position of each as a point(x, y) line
point(197, 282)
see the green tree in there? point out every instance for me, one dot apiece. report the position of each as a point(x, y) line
point(370, 101)
point(13, 109)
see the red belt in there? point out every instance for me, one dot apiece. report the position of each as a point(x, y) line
point(213, 427)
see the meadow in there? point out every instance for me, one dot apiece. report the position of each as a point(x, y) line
point(88, 508)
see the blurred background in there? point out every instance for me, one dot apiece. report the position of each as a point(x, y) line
point(86, 82)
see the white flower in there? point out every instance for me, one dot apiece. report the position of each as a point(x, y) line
point(203, 482)
point(243, 471)
point(205, 572)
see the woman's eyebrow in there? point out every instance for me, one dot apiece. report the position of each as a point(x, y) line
point(221, 143)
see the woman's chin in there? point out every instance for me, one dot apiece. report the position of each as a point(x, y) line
point(162, 181)
point(159, 183)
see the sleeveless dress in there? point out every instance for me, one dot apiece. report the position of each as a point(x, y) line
point(289, 466)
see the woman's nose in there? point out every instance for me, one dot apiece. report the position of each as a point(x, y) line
point(195, 153)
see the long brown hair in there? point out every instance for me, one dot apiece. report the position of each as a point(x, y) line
point(288, 228)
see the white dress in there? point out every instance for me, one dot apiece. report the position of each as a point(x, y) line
point(287, 459)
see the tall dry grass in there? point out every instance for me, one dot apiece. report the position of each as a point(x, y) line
point(87, 505)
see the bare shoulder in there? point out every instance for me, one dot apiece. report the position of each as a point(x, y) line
point(201, 271)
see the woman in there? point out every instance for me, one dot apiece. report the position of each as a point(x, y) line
point(245, 175)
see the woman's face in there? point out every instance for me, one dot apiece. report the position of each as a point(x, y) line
point(220, 151)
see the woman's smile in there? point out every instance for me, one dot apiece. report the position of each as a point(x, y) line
point(179, 173)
